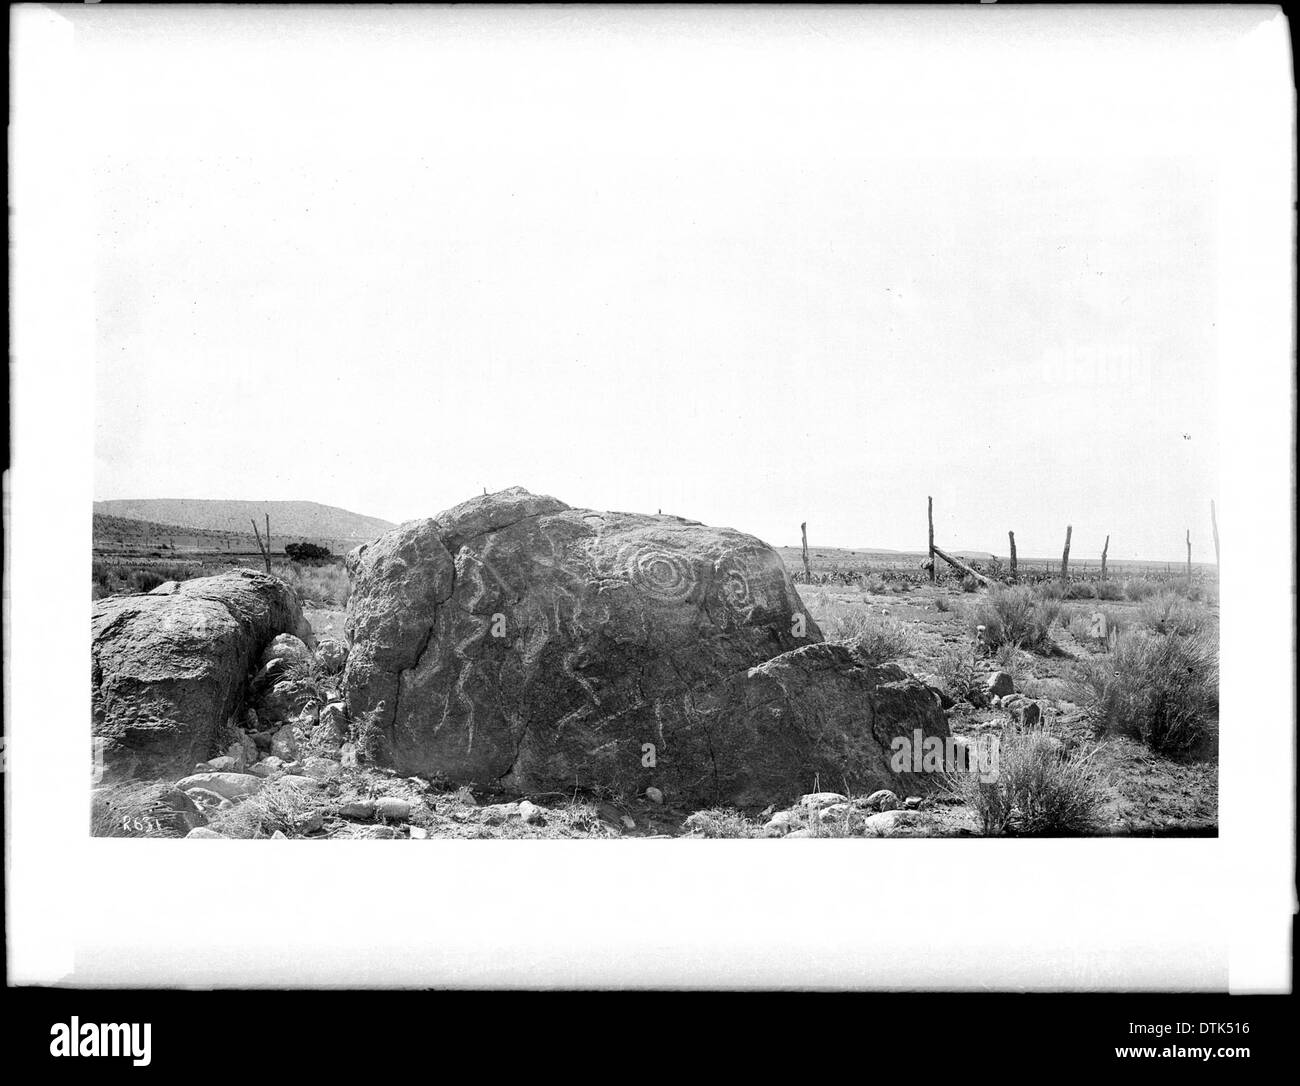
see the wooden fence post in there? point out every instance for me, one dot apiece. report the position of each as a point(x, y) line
point(1012, 536)
point(1104, 549)
point(929, 505)
point(1065, 557)
point(266, 550)
point(807, 571)
point(1189, 558)
point(1214, 523)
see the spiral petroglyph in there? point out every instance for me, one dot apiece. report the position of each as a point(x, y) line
point(659, 573)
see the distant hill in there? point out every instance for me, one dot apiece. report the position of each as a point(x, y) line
point(289, 520)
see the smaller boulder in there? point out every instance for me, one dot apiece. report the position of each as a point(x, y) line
point(1000, 684)
point(529, 812)
point(333, 655)
point(204, 832)
point(882, 800)
point(1028, 714)
point(284, 743)
point(815, 800)
point(393, 807)
point(654, 795)
point(226, 785)
point(286, 647)
point(358, 809)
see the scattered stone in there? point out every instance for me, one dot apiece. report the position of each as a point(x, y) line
point(322, 768)
point(223, 764)
point(654, 795)
point(419, 833)
point(313, 823)
point(294, 768)
point(882, 800)
point(204, 832)
point(279, 835)
point(784, 820)
point(284, 743)
point(293, 650)
point(629, 823)
point(285, 701)
point(912, 802)
point(815, 800)
point(357, 808)
point(835, 810)
point(1029, 714)
point(332, 727)
point(332, 655)
point(496, 813)
point(392, 807)
point(797, 833)
point(999, 684)
point(529, 812)
point(880, 825)
point(226, 785)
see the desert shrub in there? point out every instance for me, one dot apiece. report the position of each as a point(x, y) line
point(875, 584)
point(969, 583)
point(877, 637)
point(1011, 616)
point(306, 552)
point(292, 811)
point(1011, 659)
point(1139, 588)
point(326, 584)
point(942, 603)
point(1162, 688)
point(1049, 590)
point(1040, 789)
point(1080, 590)
point(720, 822)
point(1109, 590)
point(955, 668)
point(1171, 613)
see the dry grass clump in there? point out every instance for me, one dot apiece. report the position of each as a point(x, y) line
point(721, 822)
point(1039, 790)
point(1160, 687)
point(1169, 612)
point(326, 584)
point(877, 637)
point(1139, 588)
point(292, 811)
point(1012, 616)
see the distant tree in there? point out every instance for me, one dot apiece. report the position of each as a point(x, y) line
point(306, 552)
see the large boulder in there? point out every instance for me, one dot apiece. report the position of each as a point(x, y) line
point(517, 641)
point(168, 671)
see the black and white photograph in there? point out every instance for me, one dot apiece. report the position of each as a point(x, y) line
point(650, 497)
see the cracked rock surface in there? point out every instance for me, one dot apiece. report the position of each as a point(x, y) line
point(516, 641)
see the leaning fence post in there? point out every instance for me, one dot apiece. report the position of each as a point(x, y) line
point(266, 550)
point(1065, 557)
point(807, 571)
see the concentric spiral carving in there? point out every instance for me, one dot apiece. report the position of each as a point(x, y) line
point(659, 573)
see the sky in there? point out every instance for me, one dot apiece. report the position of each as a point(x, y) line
point(750, 266)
